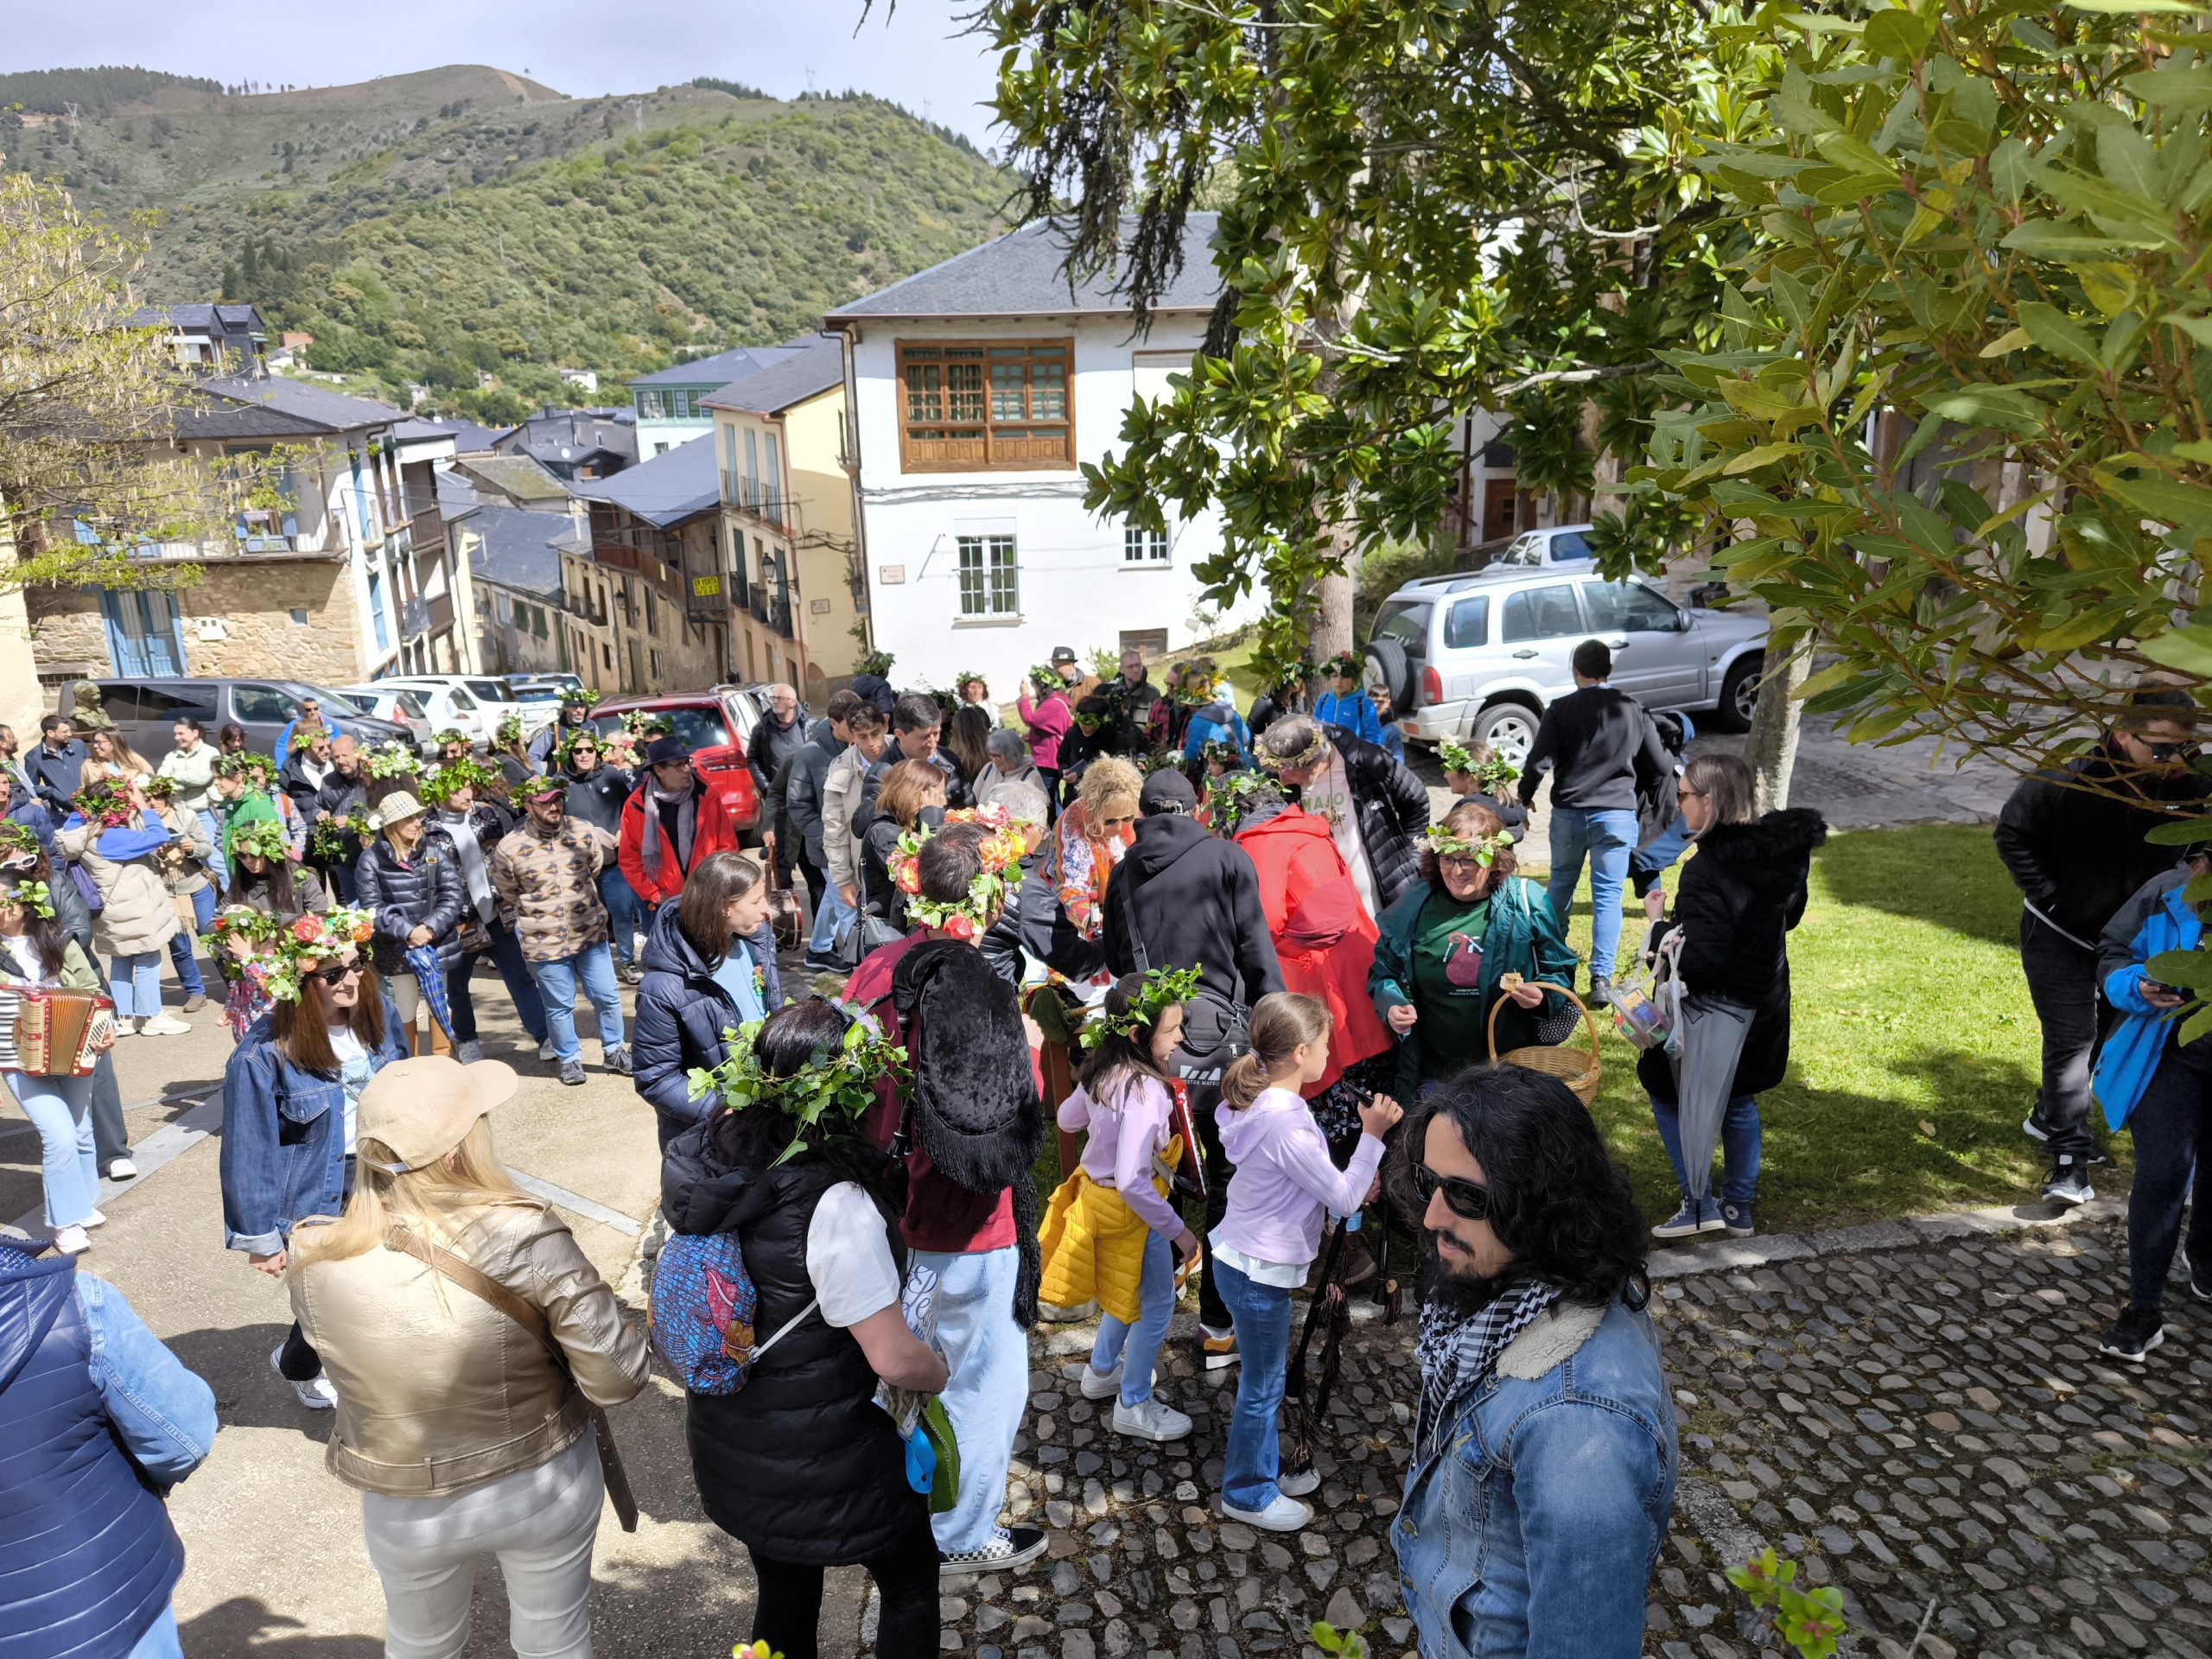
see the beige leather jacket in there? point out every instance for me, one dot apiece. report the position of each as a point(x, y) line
point(438, 1390)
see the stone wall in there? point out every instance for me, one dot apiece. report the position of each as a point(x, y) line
point(238, 620)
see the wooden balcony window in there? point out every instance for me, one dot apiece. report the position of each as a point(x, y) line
point(986, 406)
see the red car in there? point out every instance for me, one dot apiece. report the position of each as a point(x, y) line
point(715, 725)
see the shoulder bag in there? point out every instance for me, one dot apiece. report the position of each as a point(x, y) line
point(485, 1289)
point(860, 935)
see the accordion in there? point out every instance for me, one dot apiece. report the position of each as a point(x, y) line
point(58, 1032)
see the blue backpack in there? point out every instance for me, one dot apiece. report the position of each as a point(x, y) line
point(702, 1306)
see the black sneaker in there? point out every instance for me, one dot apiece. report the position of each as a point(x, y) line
point(1601, 992)
point(2069, 1183)
point(822, 963)
point(2034, 1130)
point(2136, 1334)
point(1009, 1547)
point(2199, 1286)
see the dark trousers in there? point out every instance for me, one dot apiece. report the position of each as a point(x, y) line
point(1213, 1312)
point(787, 1604)
point(2172, 1124)
point(1050, 775)
point(338, 878)
point(111, 1140)
point(506, 952)
point(297, 1361)
point(2062, 984)
point(817, 882)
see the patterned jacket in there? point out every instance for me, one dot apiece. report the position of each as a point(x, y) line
point(551, 884)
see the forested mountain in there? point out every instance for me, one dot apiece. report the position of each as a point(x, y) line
point(430, 227)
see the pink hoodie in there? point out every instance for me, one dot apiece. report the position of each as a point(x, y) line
point(1284, 1180)
point(1123, 1137)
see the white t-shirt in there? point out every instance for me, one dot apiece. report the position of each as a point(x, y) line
point(848, 1257)
point(352, 1071)
point(1330, 795)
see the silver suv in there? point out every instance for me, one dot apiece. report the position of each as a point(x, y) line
point(1479, 656)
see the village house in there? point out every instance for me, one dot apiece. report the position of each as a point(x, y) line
point(669, 405)
point(655, 538)
point(796, 583)
point(205, 339)
point(979, 387)
point(574, 444)
point(514, 560)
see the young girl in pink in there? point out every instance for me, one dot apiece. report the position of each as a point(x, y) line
point(1283, 1189)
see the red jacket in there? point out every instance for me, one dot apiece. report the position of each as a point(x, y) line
point(1324, 936)
point(713, 832)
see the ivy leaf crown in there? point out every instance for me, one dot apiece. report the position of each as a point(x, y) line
point(825, 1097)
point(393, 759)
point(1163, 988)
point(1229, 799)
point(1484, 849)
point(442, 783)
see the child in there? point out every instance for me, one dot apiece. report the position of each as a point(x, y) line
point(1107, 1234)
point(1346, 704)
point(1392, 739)
point(1283, 1184)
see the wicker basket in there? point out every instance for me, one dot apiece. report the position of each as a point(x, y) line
point(1577, 1071)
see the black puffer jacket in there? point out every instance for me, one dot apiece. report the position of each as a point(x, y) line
point(1191, 900)
point(596, 797)
point(800, 1464)
point(425, 892)
point(1738, 899)
point(1393, 806)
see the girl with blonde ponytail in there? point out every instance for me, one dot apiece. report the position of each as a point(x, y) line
point(1283, 1187)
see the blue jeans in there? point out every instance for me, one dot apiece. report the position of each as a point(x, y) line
point(60, 1109)
point(557, 985)
point(160, 1640)
point(1608, 838)
point(1740, 1148)
point(135, 982)
point(1662, 853)
point(626, 913)
point(1261, 1314)
point(988, 1357)
point(184, 947)
point(217, 866)
point(831, 910)
point(1135, 1348)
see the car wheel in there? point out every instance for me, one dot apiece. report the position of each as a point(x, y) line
point(1739, 693)
point(1388, 667)
point(1509, 729)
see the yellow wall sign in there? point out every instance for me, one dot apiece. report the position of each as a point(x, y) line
point(706, 586)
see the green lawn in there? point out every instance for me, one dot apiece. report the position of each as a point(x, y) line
point(1913, 1051)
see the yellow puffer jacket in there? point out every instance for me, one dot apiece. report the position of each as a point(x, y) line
point(1093, 1243)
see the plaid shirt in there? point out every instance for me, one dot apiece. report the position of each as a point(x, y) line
point(550, 884)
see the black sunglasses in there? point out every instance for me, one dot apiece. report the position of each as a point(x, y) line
point(2171, 751)
point(338, 973)
point(1465, 1200)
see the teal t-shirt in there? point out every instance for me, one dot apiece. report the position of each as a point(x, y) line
point(737, 976)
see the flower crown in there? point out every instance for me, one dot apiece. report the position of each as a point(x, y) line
point(103, 803)
point(393, 760)
point(643, 723)
point(1345, 665)
point(1160, 760)
point(440, 782)
point(1484, 849)
point(240, 921)
point(967, 676)
point(263, 838)
point(305, 944)
point(828, 1096)
point(33, 896)
point(1000, 851)
point(1163, 987)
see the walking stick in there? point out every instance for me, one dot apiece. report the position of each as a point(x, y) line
point(1303, 1402)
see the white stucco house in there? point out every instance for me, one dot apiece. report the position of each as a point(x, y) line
point(977, 389)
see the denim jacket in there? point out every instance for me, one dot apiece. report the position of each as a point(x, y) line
point(1534, 1510)
point(284, 1153)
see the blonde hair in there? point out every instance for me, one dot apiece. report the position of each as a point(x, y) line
point(438, 1202)
point(1282, 1022)
point(1109, 778)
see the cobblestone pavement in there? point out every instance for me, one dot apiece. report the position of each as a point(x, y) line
point(1928, 1424)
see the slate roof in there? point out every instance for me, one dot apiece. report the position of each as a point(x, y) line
point(1020, 276)
point(517, 476)
point(716, 370)
point(674, 485)
point(806, 372)
point(571, 435)
point(226, 406)
point(468, 438)
point(522, 550)
point(194, 314)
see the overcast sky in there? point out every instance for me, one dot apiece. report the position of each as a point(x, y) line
point(584, 48)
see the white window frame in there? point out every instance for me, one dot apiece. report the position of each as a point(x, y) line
point(984, 597)
point(1146, 549)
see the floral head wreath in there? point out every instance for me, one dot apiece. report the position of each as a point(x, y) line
point(828, 1096)
point(393, 760)
point(1309, 755)
point(1484, 849)
point(452, 735)
point(1001, 850)
point(255, 927)
point(159, 787)
point(103, 803)
point(1345, 665)
point(32, 896)
point(966, 677)
point(263, 838)
point(442, 783)
point(1163, 987)
point(581, 694)
point(309, 941)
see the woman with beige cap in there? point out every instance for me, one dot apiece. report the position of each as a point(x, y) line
point(470, 1341)
point(413, 888)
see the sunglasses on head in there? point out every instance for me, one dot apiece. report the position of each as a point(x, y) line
point(338, 973)
point(1465, 1200)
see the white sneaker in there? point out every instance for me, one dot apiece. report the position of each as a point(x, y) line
point(121, 1169)
point(1297, 1485)
point(316, 1394)
point(1284, 1515)
point(71, 1241)
point(1094, 1386)
point(165, 1025)
point(545, 1051)
point(98, 1218)
point(1151, 1420)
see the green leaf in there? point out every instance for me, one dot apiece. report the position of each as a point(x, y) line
point(2122, 8)
point(2051, 329)
point(2167, 499)
point(2188, 971)
point(2188, 648)
point(1761, 455)
point(1827, 679)
point(1898, 33)
point(2197, 1024)
point(2173, 89)
point(2001, 408)
point(2183, 832)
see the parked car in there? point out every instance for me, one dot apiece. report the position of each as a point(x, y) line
point(1479, 656)
point(400, 704)
point(494, 699)
point(1557, 545)
point(446, 708)
point(557, 683)
point(717, 725)
point(145, 710)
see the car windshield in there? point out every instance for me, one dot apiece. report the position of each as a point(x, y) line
point(537, 694)
point(489, 690)
point(1523, 549)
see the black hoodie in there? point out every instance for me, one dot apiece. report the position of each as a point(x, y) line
point(1191, 900)
point(2077, 855)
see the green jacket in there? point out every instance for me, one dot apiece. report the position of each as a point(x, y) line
point(1523, 937)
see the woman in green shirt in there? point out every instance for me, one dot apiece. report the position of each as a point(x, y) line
point(1446, 944)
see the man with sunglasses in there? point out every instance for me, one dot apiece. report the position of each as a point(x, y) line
point(2073, 839)
point(1544, 1459)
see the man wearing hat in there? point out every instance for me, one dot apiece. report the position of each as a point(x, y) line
point(671, 824)
point(547, 872)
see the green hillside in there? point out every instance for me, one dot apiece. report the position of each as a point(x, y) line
point(463, 221)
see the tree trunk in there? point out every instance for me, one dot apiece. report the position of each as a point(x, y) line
point(1770, 749)
point(1332, 633)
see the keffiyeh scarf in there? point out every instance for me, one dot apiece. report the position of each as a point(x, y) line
point(1456, 1351)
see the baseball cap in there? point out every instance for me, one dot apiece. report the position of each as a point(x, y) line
point(1166, 791)
point(538, 788)
point(424, 1107)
